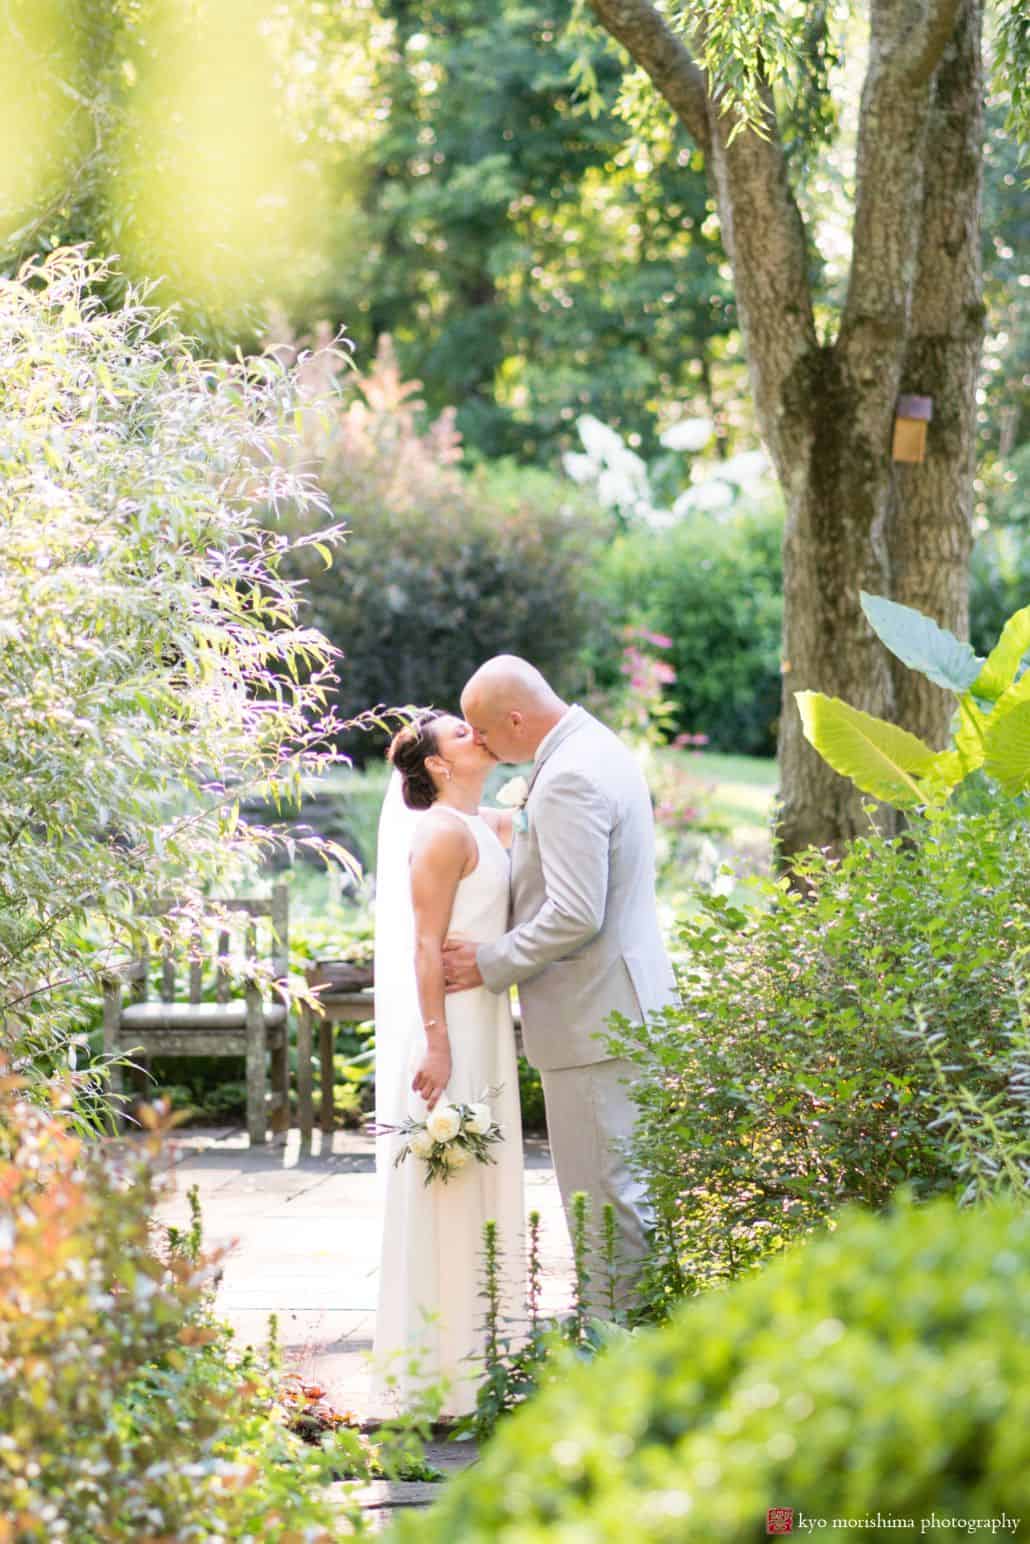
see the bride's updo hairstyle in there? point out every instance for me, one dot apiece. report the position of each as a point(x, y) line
point(409, 750)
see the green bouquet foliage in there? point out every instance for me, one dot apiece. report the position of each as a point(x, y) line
point(820, 1044)
point(884, 1369)
point(992, 726)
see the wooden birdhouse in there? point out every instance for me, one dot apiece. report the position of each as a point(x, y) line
point(910, 420)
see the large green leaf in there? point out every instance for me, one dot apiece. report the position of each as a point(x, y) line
point(1005, 658)
point(941, 780)
point(920, 643)
point(882, 759)
point(970, 736)
point(1008, 739)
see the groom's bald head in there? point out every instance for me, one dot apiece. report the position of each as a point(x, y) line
point(510, 706)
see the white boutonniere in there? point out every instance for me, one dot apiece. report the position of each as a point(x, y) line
point(513, 797)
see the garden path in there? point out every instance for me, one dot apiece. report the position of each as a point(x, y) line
point(301, 1229)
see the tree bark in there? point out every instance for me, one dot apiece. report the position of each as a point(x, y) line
point(931, 508)
point(911, 321)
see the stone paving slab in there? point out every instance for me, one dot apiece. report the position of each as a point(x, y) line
point(382, 1499)
point(300, 1224)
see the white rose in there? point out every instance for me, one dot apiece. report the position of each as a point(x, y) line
point(457, 1158)
point(479, 1120)
point(514, 793)
point(421, 1144)
point(443, 1123)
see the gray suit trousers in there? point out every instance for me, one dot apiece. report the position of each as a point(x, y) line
point(590, 1118)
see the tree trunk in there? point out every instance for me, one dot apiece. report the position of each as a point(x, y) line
point(931, 514)
point(835, 545)
point(911, 321)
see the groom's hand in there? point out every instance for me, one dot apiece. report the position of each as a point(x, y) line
point(460, 968)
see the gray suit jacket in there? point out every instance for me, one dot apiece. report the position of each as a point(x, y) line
point(584, 939)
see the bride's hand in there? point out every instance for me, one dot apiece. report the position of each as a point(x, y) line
point(433, 1074)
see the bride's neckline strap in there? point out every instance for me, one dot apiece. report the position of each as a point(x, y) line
point(450, 810)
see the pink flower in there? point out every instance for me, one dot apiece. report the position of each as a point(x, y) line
point(658, 640)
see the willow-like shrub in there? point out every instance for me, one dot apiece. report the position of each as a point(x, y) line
point(154, 663)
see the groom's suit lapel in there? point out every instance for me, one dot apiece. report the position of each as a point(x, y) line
point(574, 719)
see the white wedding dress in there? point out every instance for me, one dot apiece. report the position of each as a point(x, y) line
point(429, 1318)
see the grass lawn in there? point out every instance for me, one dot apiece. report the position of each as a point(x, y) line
point(742, 788)
point(739, 792)
point(755, 771)
point(739, 788)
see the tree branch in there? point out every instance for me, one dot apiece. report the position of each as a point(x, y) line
point(930, 522)
point(764, 236)
point(889, 173)
point(920, 47)
point(651, 42)
point(762, 228)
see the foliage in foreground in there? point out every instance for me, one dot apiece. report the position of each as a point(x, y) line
point(125, 1412)
point(883, 1368)
point(820, 1044)
point(151, 649)
point(515, 1366)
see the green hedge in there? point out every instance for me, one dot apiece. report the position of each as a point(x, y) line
point(496, 561)
point(714, 588)
point(884, 1368)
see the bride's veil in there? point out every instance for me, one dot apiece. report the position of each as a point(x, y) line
point(396, 994)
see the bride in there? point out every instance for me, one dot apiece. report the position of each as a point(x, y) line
point(442, 868)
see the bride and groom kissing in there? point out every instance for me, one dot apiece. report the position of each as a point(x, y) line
point(556, 898)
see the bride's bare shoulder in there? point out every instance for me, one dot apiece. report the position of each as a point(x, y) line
point(440, 841)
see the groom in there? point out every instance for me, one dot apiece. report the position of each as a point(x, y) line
point(584, 940)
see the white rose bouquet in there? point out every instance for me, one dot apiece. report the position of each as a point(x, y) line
point(450, 1135)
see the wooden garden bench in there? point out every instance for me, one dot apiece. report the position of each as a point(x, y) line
point(252, 1025)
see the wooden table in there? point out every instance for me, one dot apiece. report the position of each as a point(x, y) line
point(337, 1008)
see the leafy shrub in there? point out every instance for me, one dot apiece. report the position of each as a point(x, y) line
point(531, 1100)
point(444, 567)
point(125, 1412)
point(884, 1368)
point(152, 652)
point(713, 587)
point(999, 580)
point(795, 1076)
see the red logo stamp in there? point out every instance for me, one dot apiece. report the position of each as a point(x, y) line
point(779, 1519)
